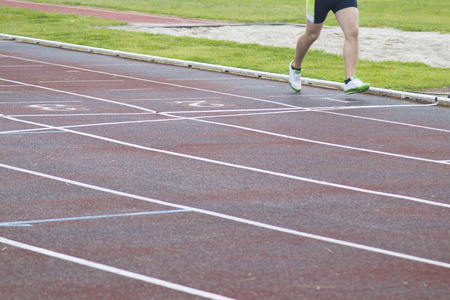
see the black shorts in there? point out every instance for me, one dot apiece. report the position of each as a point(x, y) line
point(317, 10)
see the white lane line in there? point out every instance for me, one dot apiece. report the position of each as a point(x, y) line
point(389, 122)
point(157, 82)
point(313, 109)
point(235, 219)
point(21, 66)
point(38, 102)
point(79, 81)
point(77, 95)
point(249, 112)
point(86, 115)
point(38, 130)
point(295, 107)
point(144, 213)
point(45, 131)
point(225, 78)
point(241, 167)
point(336, 100)
point(202, 119)
point(245, 97)
point(113, 270)
point(132, 90)
point(174, 99)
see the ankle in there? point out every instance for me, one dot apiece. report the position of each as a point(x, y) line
point(295, 68)
point(348, 80)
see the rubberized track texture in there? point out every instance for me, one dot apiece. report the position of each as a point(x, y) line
point(122, 179)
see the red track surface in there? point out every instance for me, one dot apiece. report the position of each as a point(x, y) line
point(130, 17)
point(126, 173)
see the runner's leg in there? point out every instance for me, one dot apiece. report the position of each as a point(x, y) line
point(305, 41)
point(348, 20)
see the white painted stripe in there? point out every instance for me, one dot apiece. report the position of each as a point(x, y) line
point(227, 94)
point(241, 167)
point(37, 130)
point(173, 118)
point(144, 213)
point(39, 102)
point(21, 66)
point(78, 81)
point(310, 109)
point(248, 111)
point(336, 100)
point(34, 132)
point(390, 122)
point(113, 270)
point(157, 82)
point(131, 90)
point(78, 95)
point(201, 119)
point(235, 219)
point(175, 99)
point(225, 78)
point(277, 111)
point(265, 111)
point(84, 115)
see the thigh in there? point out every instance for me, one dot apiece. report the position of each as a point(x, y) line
point(348, 20)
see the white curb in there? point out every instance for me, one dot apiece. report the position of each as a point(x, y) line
point(428, 98)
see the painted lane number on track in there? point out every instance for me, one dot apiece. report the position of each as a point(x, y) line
point(53, 107)
point(201, 103)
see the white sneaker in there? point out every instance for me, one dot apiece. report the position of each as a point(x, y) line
point(295, 78)
point(355, 86)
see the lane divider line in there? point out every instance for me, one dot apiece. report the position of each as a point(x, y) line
point(30, 223)
point(251, 98)
point(156, 82)
point(241, 167)
point(113, 270)
point(234, 219)
point(78, 95)
point(434, 103)
point(202, 119)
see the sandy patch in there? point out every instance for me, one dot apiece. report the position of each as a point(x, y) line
point(377, 44)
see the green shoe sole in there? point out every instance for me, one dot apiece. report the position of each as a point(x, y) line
point(297, 90)
point(361, 89)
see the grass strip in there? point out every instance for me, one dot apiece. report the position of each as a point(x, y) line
point(412, 15)
point(82, 30)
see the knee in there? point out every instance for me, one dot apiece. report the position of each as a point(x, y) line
point(352, 33)
point(311, 36)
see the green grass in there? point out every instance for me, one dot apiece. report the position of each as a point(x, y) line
point(415, 15)
point(81, 30)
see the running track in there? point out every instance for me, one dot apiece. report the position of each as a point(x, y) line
point(126, 179)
